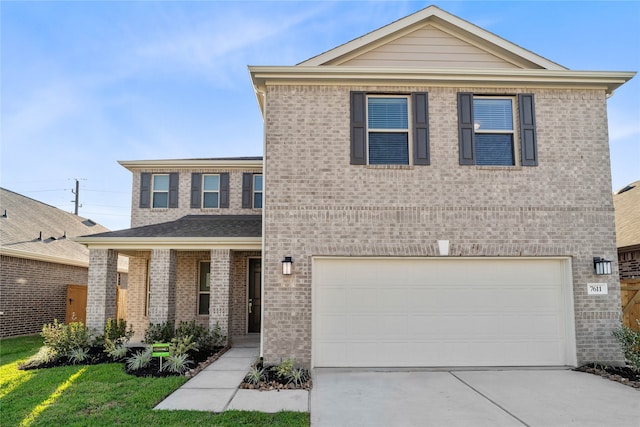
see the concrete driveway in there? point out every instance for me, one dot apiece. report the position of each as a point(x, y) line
point(471, 398)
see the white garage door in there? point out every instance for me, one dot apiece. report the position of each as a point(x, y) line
point(411, 312)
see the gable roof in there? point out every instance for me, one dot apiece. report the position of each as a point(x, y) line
point(627, 210)
point(34, 230)
point(434, 17)
point(191, 232)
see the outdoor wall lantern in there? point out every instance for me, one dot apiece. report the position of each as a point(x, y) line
point(601, 266)
point(286, 265)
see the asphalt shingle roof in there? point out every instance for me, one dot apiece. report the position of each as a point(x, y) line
point(195, 226)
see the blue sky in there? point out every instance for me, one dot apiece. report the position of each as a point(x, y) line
point(85, 84)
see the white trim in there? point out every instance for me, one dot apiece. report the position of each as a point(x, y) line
point(16, 253)
point(185, 164)
point(179, 243)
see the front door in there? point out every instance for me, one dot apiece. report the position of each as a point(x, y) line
point(254, 294)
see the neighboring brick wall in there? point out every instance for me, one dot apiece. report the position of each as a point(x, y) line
point(140, 217)
point(629, 264)
point(33, 293)
point(316, 203)
point(102, 287)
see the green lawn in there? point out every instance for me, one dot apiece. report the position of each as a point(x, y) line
point(101, 395)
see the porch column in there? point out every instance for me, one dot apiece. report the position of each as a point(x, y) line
point(101, 288)
point(162, 286)
point(220, 301)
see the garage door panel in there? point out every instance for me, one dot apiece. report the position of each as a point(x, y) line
point(441, 312)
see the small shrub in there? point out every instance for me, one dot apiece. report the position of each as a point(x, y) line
point(139, 360)
point(206, 339)
point(630, 342)
point(177, 363)
point(116, 330)
point(255, 375)
point(298, 376)
point(64, 338)
point(159, 332)
point(116, 351)
point(78, 355)
point(182, 345)
point(42, 357)
point(284, 369)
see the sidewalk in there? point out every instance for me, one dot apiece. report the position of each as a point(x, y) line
point(215, 389)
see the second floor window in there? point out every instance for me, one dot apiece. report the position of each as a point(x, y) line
point(210, 191)
point(160, 190)
point(388, 130)
point(257, 191)
point(494, 130)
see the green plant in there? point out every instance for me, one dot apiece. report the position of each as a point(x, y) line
point(78, 355)
point(177, 363)
point(64, 338)
point(116, 330)
point(159, 332)
point(206, 339)
point(139, 360)
point(255, 375)
point(297, 376)
point(116, 352)
point(630, 342)
point(284, 369)
point(182, 345)
point(44, 355)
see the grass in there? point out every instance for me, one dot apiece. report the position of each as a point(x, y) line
point(101, 395)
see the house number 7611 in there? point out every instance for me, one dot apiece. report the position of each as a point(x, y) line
point(597, 289)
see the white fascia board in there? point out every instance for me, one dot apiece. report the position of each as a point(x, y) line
point(440, 77)
point(44, 258)
point(191, 164)
point(178, 243)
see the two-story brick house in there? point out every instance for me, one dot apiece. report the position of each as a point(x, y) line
point(427, 182)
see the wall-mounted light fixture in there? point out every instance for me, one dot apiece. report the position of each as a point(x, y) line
point(601, 266)
point(286, 265)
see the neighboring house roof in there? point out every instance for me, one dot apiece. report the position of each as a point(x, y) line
point(194, 232)
point(432, 47)
point(34, 230)
point(214, 162)
point(627, 209)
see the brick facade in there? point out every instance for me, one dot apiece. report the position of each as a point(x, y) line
point(318, 204)
point(33, 293)
point(146, 216)
point(102, 286)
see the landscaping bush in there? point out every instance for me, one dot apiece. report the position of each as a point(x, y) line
point(62, 339)
point(115, 338)
point(630, 342)
point(159, 332)
point(206, 340)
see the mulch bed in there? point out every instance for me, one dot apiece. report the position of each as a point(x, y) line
point(624, 375)
point(273, 382)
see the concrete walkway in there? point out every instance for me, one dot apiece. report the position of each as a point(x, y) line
point(493, 398)
point(215, 388)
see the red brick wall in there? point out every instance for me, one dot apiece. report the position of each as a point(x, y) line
point(33, 293)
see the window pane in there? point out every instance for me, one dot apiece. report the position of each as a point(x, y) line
point(160, 200)
point(204, 276)
point(388, 113)
point(203, 304)
point(210, 200)
point(257, 200)
point(388, 149)
point(493, 114)
point(494, 149)
point(161, 183)
point(211, 182)
point(257, 183)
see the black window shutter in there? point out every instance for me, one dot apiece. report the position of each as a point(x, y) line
point(247, 189)
point(224, 190)
point(145, 190)
point(173, 190)
point(358, 128)
point(420, 101)
point(465, 129)
point(528, 143)
point(196, 183)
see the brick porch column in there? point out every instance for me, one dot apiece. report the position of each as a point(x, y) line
point(220, 280)
point(162, 284)
point(101, 292)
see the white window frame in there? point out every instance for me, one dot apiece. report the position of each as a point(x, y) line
point(154, 191)
point(204, 191)
point(376, 130)
point(200, 291)
point(514, 123)
point(261, 192)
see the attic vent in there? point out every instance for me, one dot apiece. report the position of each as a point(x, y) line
point(89, 223)
point(627, 188)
